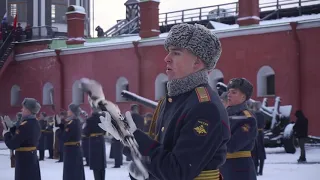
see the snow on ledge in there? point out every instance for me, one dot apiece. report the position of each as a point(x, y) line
point(77, 9)
point(76, 39)
point(114, 40)
point(221, 26)
point(149, 0)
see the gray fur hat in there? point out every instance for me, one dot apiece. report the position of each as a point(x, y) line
point(32, 105)
point(197, 39)
point(243, 85)
point(75, 109)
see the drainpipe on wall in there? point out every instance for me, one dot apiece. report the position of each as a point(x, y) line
point(138, 55)
point(299, 64)
point(61, 69)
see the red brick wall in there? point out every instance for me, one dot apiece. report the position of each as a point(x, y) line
point(242, 57)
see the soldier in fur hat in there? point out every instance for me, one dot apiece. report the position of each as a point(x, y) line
point(97, 149)
point(42, 141)
point(190, 129)
point(72, 154)
point(243, 126)
point(24, 141)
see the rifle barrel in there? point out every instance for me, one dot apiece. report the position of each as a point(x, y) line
point(139, 99)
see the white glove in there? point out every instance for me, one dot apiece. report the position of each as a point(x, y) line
point(84, 125)
point(107, 126)
point(8, 121)
point(93, 88)
point(135, 172)
point(57, 119)
point(55, 129)
point(130, 121)
point(5, 128)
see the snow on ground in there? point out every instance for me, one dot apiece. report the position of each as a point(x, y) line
point(278, 166)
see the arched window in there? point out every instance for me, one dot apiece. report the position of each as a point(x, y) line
point(122, 84)
point(15, 95)
point(77, 93)
point(160, 86)
point(215, 76)
point(266, 81)
point(47, 94)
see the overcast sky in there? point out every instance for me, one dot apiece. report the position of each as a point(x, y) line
point(107, 12)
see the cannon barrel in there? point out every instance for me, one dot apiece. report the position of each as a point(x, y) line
point(139, 99)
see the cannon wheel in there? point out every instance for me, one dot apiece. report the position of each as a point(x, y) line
point(288, 144)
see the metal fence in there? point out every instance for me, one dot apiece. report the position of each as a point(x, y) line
point(41, 32)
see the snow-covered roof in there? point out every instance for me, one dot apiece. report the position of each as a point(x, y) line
point(115, 40)
point(77, 9)
point(218, 26)
point(221, 26)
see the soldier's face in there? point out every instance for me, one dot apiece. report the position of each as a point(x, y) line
point(235, 97)
point(69, 113)
point(181, 63)
point(25, 111)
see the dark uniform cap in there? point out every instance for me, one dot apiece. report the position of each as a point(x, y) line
point(75, 109)
point(243, 85)
point(198, 40)
point(32, 105)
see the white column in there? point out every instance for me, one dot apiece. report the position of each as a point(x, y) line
point(78, 2)
point(35, 13)
point(43, 13)
point(43, 18)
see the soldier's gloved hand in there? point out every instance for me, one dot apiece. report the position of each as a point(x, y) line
point(107, 126)
point(94, 89)
point(8, 122)
point(130, 121)
point(5, 127)
point(135, 172)
point(55, 129)
point(84, 125)
point(57, 119)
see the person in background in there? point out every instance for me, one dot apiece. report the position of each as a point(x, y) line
point(259, 153)
point(72, 159)
point(147, 122)
point(301, 132)
point(97, 149)
point(243, 127)
point(24, 141)
point(42, 141)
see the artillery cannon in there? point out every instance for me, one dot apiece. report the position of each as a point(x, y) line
point(278, 130)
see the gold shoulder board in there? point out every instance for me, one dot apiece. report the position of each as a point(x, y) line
point(247, 113)
point(202, 94)
point(23, 123)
